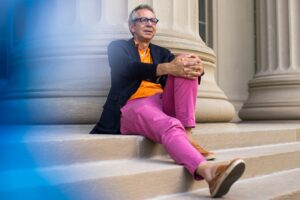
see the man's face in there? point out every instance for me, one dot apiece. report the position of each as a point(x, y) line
point(144, 31)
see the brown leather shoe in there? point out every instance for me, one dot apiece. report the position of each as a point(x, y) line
point(225, 176)
point(208, 155)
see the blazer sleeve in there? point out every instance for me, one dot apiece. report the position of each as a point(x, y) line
point(171, 57)
point(123, 63)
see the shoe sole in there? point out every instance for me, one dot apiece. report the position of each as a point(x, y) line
point(231, 175)
point(210, 157)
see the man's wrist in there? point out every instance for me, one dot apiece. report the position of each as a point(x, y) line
point(162, 69)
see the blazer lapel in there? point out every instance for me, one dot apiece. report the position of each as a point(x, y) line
point(134, 50)
point(154, 54)
point(153, 49)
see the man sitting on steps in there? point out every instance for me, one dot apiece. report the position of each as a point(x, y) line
point(153, 93)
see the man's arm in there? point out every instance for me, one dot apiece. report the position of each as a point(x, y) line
point(184, 65)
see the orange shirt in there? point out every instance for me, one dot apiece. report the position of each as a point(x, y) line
point(146, 88)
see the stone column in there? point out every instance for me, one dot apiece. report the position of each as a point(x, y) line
point(178, 31)
point(274, 90)
point(58, 69)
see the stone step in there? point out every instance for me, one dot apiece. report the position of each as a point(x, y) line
point(41, 146)
point(284, 185)
point(215, 136)
point(232, 135)
point(137, 178)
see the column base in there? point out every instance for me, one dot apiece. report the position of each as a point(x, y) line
point(271, 113)
point(273, 97)
point(214, 110)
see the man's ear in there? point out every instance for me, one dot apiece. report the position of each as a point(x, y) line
point(132, 28)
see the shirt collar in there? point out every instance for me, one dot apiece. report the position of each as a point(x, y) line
point(136, 43)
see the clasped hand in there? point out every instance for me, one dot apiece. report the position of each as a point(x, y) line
point(188, 66)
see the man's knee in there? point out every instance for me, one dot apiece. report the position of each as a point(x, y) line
point(186, 81)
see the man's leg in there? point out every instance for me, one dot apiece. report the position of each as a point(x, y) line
point(179, 101)
point(145, 117)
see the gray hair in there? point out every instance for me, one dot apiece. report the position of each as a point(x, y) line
point(133, 13)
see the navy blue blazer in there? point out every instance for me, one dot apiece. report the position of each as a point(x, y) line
point(127, 73)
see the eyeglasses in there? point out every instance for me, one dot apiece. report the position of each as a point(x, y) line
point(145, 20)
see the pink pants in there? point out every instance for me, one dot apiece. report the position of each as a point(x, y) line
point(162, 118)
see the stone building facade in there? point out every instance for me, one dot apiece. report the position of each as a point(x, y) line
point(54, 67)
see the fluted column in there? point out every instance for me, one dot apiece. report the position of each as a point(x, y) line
point(274, 90)
point(178, 31)
point(58, 69)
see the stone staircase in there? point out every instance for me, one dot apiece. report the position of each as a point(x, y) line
point(64, 162)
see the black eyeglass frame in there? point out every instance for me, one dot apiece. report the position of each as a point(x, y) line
point(146, 20)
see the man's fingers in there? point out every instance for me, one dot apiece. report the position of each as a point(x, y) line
point(187, 55)
point(190, 61)
point(198, 68)
point(188, 66)
point(189, 76)
point(191, 73)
